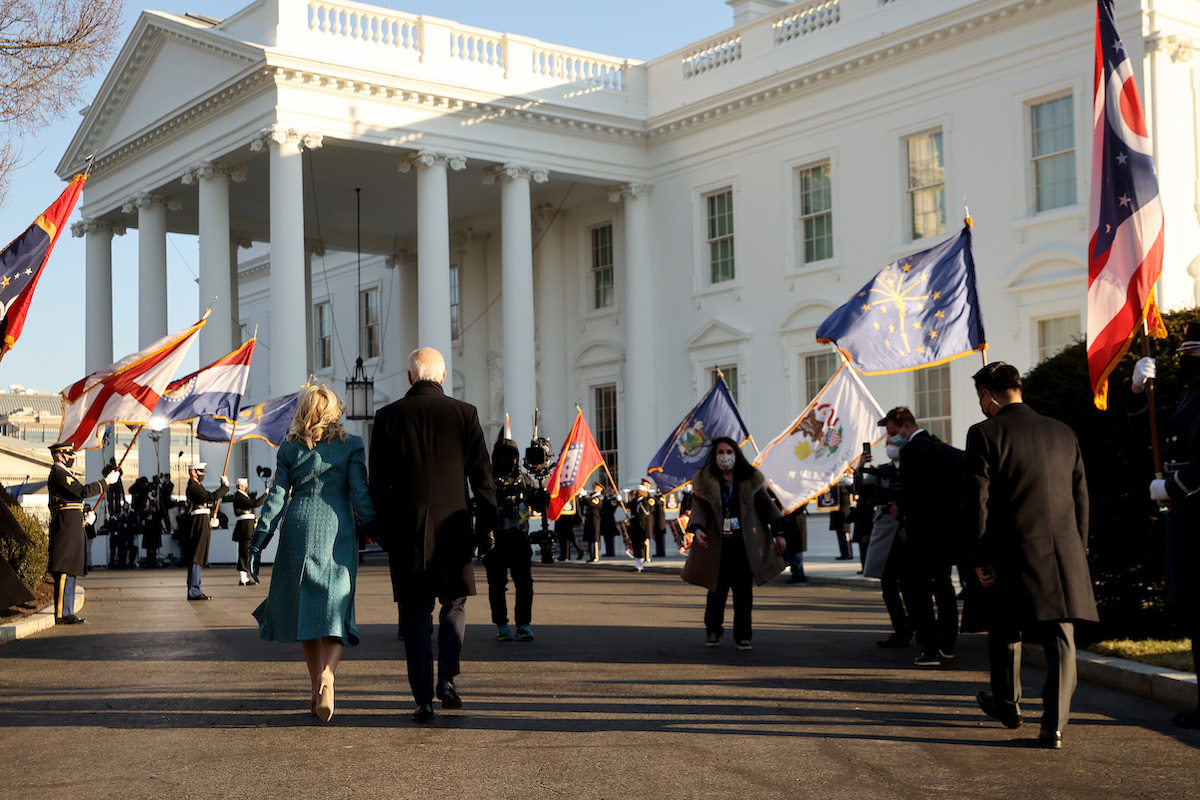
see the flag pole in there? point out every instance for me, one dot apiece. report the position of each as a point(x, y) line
point(1158, 465)
point(754, 444)
point(104, 489)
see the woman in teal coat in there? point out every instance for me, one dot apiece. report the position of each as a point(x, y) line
point(311, 599)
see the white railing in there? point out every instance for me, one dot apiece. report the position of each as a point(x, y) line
point(474, 47)
point(809, 19)
point(348, 22)
point(574, 68)
point(712, 56)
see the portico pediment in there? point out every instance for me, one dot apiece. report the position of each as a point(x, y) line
point(167, 63)
point(717, 332)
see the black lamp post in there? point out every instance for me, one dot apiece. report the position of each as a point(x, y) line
point(360, 390)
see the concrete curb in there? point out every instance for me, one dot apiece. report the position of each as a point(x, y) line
point(40, 620)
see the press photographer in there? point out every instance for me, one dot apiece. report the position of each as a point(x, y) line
point(516, 494)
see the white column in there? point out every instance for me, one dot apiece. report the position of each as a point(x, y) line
point(472, 326)
point(551, 323)
point(288, 337)
point(433, 250)
point(152, 293)
point(636, 431)
point(404, 262)
point(98, 310)
point(516, 256)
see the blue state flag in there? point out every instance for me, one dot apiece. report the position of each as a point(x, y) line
point(685, 450)
point(919, 311)
point(269, 421)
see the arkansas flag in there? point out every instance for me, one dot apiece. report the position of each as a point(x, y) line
point(22, 261)
point(124, 392)
point(816, 449)
point(580, 457)
point(212, 391)
point(1126, 250)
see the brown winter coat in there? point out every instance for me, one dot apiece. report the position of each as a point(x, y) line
point(757, 510)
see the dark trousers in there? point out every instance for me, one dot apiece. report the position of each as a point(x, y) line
point(927, 581)
point(510, 555)
point(843, 540)
point(565, 540)
point(416, 623)
point(64, 595)
point(660, 544)
point(637, 539)
point(243, 563)
point(890, 585)
point(743, 606)
point(193, 581)
point(1004, 656)
point(609, 552)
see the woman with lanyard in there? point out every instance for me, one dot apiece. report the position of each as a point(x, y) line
point(733, 548)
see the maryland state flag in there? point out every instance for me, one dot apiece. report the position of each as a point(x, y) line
point(580, 457)
point(22, 261)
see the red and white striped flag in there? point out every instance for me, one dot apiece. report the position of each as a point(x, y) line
point(124, 392)
point(1126, 250)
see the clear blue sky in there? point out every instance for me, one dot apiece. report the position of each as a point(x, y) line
point(49, 354)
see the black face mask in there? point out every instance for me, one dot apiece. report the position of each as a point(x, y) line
point(1189, 370)
point(68, 461)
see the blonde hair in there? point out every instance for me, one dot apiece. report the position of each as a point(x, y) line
point(318, 417)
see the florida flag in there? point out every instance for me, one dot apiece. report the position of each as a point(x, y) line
point(125, 392)
point(580, 457)
point(814, 451)
point(1126, 250)
point(212, 391)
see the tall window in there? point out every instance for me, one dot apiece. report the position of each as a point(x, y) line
point(454, 302)
point(818, 370)
point(731, 378)
point(605, 398)
point(720, 236)
point(933, 401)
point(816, 213)
point(1056, 335)
point(1053, 125)
point(602, 267)
point(322, 336)
point(369, 336)
point(927, 185)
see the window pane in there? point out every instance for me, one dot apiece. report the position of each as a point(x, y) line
point(731, 378)
point(605, 402)
point(1054, 153)
point(933, 401)
point(818, 369)
point(720, 236)
point(1055, 335)
point(454, 303)
point(926, 181)
point(369, 339)
point(602, 267)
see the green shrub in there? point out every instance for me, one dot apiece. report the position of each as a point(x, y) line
point(1126, 542)
point(31, 557)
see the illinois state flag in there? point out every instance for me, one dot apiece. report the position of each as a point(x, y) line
point(268, 420)
point(212, 391)
point(814, 451)
point(124, 392)
point(580, 457)
point(917, 312)
point(22, 261)
point(687, 447)
point(1126, 249)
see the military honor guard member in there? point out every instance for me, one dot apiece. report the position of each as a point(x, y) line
point(68, 542)
point(200, 505)
point(243, 529)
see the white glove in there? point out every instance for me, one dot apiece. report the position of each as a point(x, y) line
point(112, 477)
point(1158, 490)
point(225, 480)
point(89, 518)
point(1144, 370)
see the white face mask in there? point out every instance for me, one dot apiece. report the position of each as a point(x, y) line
point(893, 452)
point(726, 461)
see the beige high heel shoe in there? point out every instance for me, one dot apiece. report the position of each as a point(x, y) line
point(324, 704)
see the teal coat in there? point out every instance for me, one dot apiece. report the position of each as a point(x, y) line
point(312, 582)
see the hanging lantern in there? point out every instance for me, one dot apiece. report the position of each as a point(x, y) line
point(360, 394)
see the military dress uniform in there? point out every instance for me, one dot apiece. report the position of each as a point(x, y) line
point(200, 505)
point(68, 541)
point(243, 531)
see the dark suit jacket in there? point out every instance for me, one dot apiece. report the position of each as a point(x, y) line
point(426, 449)
point(933, 481)
point(1030, 515)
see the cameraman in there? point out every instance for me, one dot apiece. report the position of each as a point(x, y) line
point(515, 493)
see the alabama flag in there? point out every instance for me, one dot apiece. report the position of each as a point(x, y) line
point(1126, 250)
point(817, 448)
point(125, 392)
point(580, 457)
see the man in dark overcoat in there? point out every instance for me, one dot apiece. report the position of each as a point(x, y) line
point(200, 505)
point(68, 541)
point(427, 451)
point(1029, 514)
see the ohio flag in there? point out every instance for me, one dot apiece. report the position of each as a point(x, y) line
point(1126, 250)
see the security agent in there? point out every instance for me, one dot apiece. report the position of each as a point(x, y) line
point(200, 505)
point(515, 493)
point(68, 542)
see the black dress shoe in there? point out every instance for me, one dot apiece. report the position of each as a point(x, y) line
point(423, 713)
point(1050, 740)
point(201, 597)
point(448, 695)
point(989, 706)
point(71, 620)
point(895, 640)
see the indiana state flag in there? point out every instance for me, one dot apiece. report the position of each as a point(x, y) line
point(684, 451)
point(269, 421)
point(215, 390)
point(919, 311)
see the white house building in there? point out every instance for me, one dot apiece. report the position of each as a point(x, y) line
point(576, 228)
